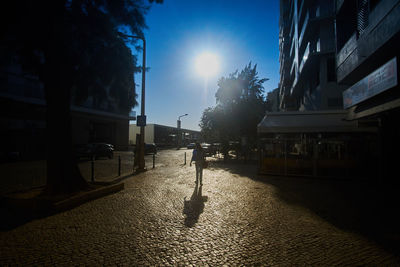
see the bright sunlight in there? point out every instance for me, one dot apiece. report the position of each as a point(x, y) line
point(207, 64)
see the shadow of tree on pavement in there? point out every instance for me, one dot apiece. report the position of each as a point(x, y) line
point(366, 207)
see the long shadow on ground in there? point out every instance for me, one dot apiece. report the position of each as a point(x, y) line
point(24, 207)
point(194, 206)
point(369, 208)
point(19, 208)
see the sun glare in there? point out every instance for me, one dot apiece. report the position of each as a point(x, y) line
point(207, 64)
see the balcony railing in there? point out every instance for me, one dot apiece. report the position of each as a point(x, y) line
point(291, 47)
point(301, 8)
point(303, 29)
point(347, 49)
point(292, 68)
point(305, 57)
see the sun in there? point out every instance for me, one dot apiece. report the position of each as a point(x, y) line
point(207, 64)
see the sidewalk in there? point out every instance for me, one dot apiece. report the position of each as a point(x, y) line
point(237, 218)
point(21, 207)
point(23, 175)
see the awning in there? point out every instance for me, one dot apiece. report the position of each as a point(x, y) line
point(309, 122)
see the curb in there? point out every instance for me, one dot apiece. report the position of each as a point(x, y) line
point(18, 211)
point(114, 180)
point(85, 197)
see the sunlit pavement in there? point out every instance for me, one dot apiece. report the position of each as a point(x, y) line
point(162, 218)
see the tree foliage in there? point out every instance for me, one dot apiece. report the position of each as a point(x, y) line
point(240, 106)
point(74, 48)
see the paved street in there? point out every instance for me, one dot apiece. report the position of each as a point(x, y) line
point(235, 218)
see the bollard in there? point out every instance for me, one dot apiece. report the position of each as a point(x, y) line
point(119, 165)
point(92, 169)
point(154, 159)
point(185, 159)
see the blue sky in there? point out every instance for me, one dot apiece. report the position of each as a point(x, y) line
point(236, 31)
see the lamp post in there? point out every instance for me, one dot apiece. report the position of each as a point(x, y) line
point(141, 121)
point(179, 129)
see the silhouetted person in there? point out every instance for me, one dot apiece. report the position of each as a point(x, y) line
point(198, 158)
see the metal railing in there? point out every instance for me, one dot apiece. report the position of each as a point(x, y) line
point(24, 175)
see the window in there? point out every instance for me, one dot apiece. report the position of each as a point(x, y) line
point(346, 23)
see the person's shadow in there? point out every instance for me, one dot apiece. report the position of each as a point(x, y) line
point(194, 207)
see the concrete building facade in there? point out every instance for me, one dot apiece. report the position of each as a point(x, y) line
point(368, 33)
point(163, 136)
point(367, 62)
point(23, 118)
point(307, 56)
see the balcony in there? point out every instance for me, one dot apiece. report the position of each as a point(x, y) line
point(303, 29)
point(284, 27)
point(347, 49)
point(293, 67)
point(284, 63)
point(360, 56)
point(301, 9)
point(291, 47)
point(305, 57)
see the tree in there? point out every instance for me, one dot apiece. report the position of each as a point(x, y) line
point(73, 46)
point(240, 107)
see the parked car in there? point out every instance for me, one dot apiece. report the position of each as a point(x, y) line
point(207, 149)
point(191, 146)
point(150, 148)
point(95, 150)
point(215, 148)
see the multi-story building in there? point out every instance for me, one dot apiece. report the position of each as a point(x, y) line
point(23, 117)
point(338, 54)
point(273, 100)
point(368, 49)
point(164, 136)
point(307, 56)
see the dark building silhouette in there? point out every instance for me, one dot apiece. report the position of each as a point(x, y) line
point(338, 54)
point(23, 117)
point(368, 43)
point(164, 136)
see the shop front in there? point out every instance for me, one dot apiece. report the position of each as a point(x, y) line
point(317, 144)
point(377, 96)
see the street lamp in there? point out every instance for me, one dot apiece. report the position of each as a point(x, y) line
point(141, 120)
point(179, 129)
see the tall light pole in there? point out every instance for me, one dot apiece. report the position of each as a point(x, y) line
point(179, 129)
point(141, 120)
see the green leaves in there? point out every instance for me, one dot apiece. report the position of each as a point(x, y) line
point(240, 107)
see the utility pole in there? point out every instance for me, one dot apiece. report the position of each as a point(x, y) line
point(179, 135)
point(141, 120)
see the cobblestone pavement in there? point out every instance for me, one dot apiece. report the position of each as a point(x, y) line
point(162, 218)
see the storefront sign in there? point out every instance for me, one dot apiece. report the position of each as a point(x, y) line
point(378, 81)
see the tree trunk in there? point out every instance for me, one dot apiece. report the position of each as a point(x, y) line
point(63, 174)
